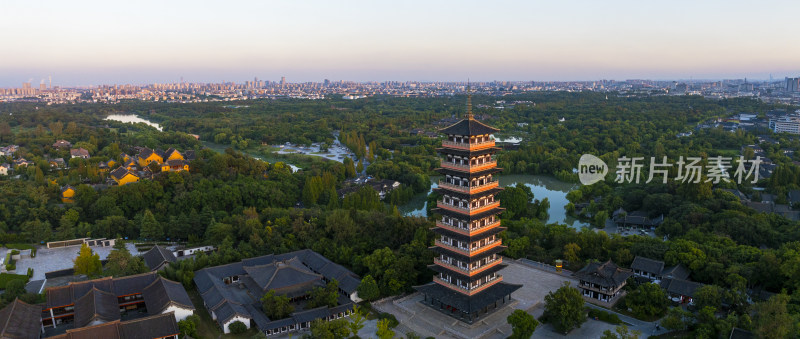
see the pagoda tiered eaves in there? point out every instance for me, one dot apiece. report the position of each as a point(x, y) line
point(467, 285)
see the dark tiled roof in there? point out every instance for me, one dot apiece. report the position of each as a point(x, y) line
point(466, 303)
point(158, 256)
point(19, 320)
point(637, 218)
point(203, 280)
point(157, 326)
point(283, 276)
point(647, 265)
point(79, 152)
point(794, 196)
point(35, 286)
point(176, 162)
point(162, 293)
point(468, 127)
point(259, 317)
point(349, 283)
point(678, 272)
point(738, 333)
point(117, 287)
point(169, 151)
point(119, 173)
point(67, 295)
point(145, 153)
point(255, 261)
point(736, 192)
point(605, 274)
point(310, 315)
point(761, 207)
point(96, 305)
point(213, 297)
point(106, 331)
point(278, 323)
point(293, 273)
point(133, 284)
point(62, 143)
point(222, 271)
point(103, 284)
point(228, 310)
point(680, 286)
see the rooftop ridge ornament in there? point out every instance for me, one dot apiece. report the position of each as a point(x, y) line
point(469, 116)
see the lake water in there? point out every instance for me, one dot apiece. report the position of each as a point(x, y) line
point(542, 187)
point(132, 119)
point(220, 148)
point(512, 140)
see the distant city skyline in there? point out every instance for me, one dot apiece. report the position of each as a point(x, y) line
point(99, 42)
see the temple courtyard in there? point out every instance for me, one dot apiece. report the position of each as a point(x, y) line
point(537, 281)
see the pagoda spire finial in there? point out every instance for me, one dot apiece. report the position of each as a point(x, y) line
point(469, 102)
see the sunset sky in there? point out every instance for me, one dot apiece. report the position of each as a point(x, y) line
point(104, 42)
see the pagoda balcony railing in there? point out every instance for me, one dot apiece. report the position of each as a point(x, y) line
point(468, 146)
point(468, 168)
point(465, 231)
point(469, 291)
point(468, 210)
point(598, 288)
point(469, 252)
point(468, 271)
point(469, 189)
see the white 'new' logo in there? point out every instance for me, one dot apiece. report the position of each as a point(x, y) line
point(591, 169)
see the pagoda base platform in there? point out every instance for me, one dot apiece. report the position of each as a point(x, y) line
point(468, 309)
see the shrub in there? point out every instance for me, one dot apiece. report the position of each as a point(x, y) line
point(20, 246)
point(6, 277)
point(188, 327)
point(30, 272)
point(392, 319)
point(601, 315)
point(237, 327)
point(14, 252)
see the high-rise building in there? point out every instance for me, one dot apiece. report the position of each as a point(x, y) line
point(467, 285)
point(283, 81)
point(793, 84)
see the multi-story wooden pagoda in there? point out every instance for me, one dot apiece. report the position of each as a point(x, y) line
point(467, 285)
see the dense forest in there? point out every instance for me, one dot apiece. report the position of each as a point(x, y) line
point(249, 207)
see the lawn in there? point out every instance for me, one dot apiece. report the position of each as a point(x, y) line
point(208, 328)
point(6, 277)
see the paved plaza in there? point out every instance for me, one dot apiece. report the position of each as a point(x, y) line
point(536, 279)
point(54, 259)
point(536, 282)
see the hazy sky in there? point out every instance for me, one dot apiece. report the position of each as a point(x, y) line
point(89, 42)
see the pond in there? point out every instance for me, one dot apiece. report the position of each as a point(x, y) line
point(132, 119)
point(542, 186)
point(510, 140)
point(219, 148)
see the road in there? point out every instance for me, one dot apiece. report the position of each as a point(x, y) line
point(646, 327)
